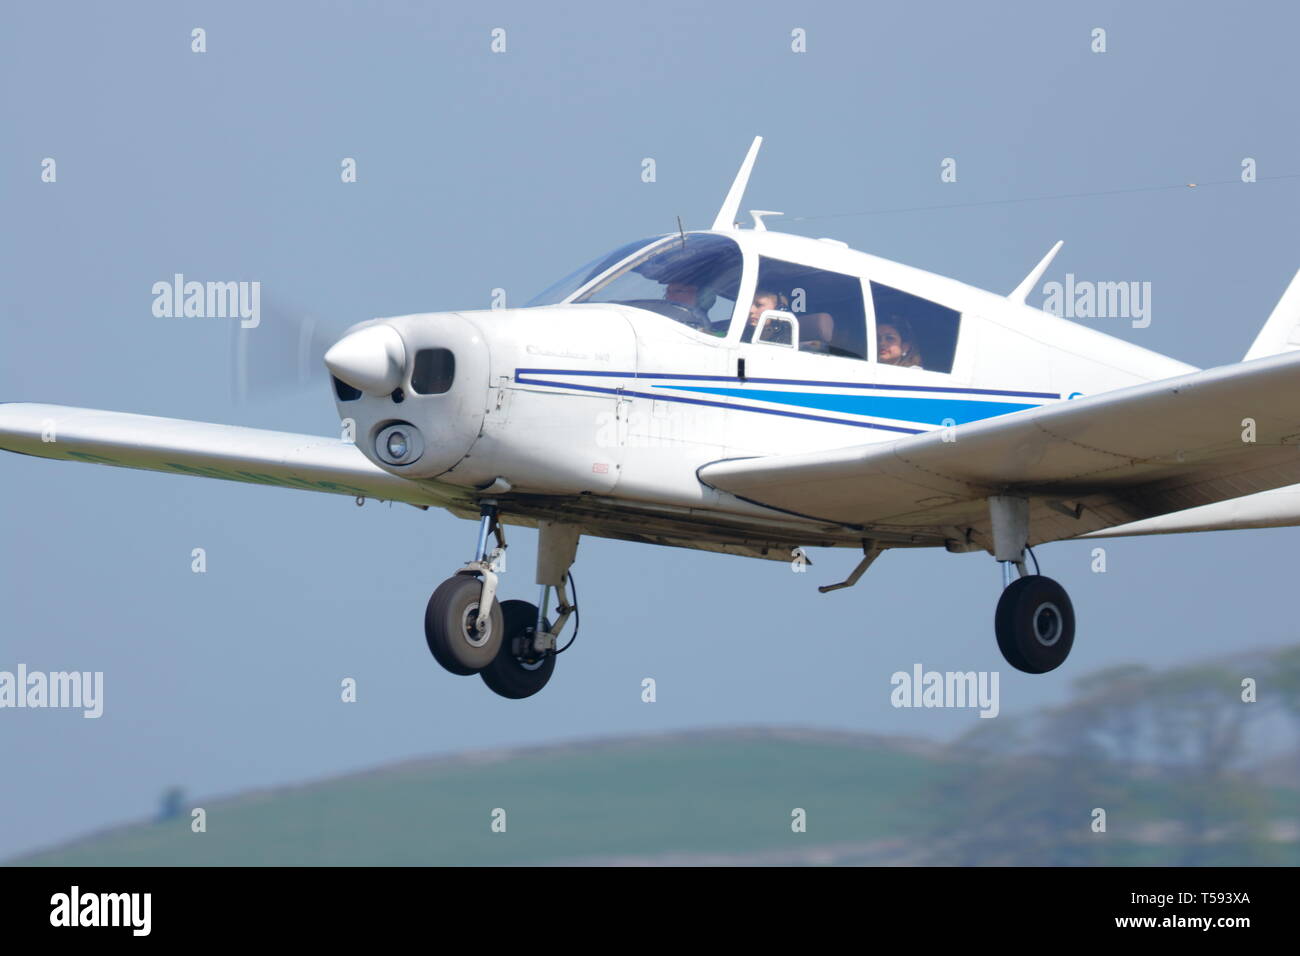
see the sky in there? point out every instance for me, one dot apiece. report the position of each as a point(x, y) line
point(479, 170)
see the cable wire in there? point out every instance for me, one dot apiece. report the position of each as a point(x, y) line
point(577, 616)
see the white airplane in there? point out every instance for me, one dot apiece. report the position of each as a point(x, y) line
point(755, 393)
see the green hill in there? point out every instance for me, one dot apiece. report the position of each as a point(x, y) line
point(684, 796)
point(706, 797)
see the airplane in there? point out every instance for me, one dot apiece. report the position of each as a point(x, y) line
point(756, 393)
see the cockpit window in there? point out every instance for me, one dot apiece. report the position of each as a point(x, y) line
point(692, 279)
point(575, 280)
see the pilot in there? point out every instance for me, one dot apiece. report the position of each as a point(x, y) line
point(895, 344)
point(687, 295)
point(683, 293)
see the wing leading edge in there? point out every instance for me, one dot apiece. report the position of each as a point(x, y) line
point(229, 452)
point(1092, 463)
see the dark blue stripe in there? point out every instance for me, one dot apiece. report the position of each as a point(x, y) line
point(796, 381)
point(701, 401)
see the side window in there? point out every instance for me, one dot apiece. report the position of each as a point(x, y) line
point(828, 305)
point(913, 332)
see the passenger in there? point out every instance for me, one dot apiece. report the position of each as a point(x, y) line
point(764, 301)
point(895, 344)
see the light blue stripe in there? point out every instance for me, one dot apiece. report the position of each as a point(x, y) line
point(931, 411)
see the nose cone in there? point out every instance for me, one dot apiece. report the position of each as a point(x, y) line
point(370, 359)
point(415, 391)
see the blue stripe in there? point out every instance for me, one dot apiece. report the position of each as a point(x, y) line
point(931, 411)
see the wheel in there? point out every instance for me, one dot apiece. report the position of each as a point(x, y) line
point(449, 626)
point(1035, 624)
point(511, 676)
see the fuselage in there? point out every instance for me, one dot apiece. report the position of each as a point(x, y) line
point(622, 401)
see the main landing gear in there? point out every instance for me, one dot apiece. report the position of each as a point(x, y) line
point(1035, 619)
point(511, 644)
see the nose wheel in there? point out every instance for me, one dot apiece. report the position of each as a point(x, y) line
point(512, 644)
point(1035, 624)
point(459, 641)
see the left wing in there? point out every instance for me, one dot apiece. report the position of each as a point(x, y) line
point(1088, 464)
point(180, 447)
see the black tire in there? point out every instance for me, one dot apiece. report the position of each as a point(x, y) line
point(452, 610)
point(1035, 624)
point(507, 675)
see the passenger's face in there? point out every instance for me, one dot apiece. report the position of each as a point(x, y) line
point(681, 293)
point(762, 303)
point(889, 344)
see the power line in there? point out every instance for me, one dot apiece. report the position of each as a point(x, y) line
point(1004, 202)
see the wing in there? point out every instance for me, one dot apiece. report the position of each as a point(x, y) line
point(1279, 508)
point(181, 447)
point(1087, 464)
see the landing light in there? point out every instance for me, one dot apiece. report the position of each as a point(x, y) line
point(399, 444)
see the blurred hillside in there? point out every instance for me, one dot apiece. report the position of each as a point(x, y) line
point(1186, 771)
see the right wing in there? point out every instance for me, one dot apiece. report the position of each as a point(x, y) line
point(1091, 463)
point(180, 447)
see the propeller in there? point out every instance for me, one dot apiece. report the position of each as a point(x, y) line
point(282, 356)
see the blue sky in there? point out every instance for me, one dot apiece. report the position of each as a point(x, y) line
point(480, 170)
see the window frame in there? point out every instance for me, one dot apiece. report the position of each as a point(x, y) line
point(748, 276)
point(958, 368)
point(568, 300)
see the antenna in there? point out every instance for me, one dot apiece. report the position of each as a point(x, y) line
point(726, 218)
point(680, 230)
point(758, 214)
point(1021, 292)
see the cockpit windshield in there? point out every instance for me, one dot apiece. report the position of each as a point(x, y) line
point(692, 279)
point(576, 279)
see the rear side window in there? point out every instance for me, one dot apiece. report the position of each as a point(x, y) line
point(827, 304)
point(434, 371)
point(912, 331)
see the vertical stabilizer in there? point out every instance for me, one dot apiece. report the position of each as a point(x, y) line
point(1281, 333)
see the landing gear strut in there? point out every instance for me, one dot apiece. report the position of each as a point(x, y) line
point(1035, 619)
point(512, 645)
point(463, 637)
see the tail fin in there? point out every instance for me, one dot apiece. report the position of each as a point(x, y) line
point(1281, 333)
